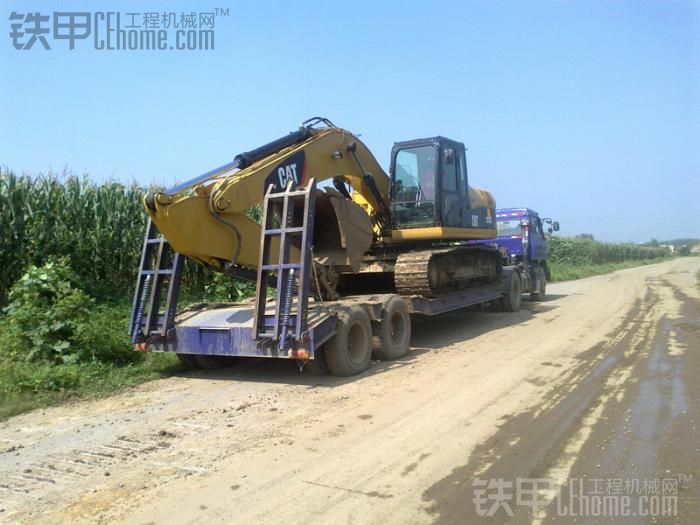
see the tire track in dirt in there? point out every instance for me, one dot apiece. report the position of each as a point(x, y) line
point(549, 441)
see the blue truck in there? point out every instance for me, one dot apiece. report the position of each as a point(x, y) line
point(522, 240)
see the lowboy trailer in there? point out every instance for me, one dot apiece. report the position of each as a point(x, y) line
point(337, 336)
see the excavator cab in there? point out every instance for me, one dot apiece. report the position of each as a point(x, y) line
point(429, 184)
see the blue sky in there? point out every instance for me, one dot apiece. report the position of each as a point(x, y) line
point(588, 111)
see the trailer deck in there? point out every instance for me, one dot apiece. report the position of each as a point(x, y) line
point(227, 330)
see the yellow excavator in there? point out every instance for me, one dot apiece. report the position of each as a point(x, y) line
point(403, 233)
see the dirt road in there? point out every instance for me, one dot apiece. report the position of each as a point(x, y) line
point(600, 381)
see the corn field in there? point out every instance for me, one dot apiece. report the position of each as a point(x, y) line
point(100, 227)
point(563, 250)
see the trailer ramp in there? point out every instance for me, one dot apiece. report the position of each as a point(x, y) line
point(157, 285)
point(282, 322)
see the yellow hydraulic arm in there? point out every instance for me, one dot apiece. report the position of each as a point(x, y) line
point(205, 218)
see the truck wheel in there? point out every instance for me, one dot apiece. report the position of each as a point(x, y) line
point(349, 351)
point(538, 295)
point(214, 362)
point(510, 302)
point(318, 366)
point(188, 360)
point(393, 332)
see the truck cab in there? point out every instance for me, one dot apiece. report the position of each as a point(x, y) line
point(522, 239)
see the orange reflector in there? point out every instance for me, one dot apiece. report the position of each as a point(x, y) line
point(140, 347)
point(300, 354)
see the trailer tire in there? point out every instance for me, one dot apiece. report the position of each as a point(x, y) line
point(188, 360)
point(542, 285)
point(392, 333)
point(318, 366)
point(214, 362)
point(349, 351)
point(494, 306)
point(510, 302)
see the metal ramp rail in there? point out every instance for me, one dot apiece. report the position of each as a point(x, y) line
point(160, 272)
point(283, 325)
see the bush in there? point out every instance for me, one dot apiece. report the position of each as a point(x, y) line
point(225, 288)
point(51, 320)
point(47, 314)
point(105, 338)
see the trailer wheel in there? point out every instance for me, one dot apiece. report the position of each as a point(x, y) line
point(542, 285)
point(189, 360)
point(214, 362)
point(318, 366)
point(393, 332)
point(349, 351)
point(510, 302)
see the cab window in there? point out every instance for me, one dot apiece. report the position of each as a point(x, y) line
point(413, 189)
point(449, 170)
point(509, 228)
point(452, 212)
point(540, 230)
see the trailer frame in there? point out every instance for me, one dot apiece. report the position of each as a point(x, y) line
point(290, 325)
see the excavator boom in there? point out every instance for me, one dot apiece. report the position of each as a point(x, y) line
point(206, 218)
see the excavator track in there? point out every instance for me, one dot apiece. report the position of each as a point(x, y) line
point(432, 273)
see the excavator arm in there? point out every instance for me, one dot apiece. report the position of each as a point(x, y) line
point(206, 218)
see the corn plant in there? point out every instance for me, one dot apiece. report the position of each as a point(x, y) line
point(100, 227)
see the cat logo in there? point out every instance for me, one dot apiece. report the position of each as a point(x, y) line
point(287, 173)
point(291, 170)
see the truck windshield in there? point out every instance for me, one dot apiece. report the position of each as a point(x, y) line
point(413, 189)
point(509, 228)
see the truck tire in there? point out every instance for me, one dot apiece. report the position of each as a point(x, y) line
point(188, 360)
point(349, 351)
point(393, 332)
point(510, 302)
point(538, 295)
point(214, 362)
point(318, 365)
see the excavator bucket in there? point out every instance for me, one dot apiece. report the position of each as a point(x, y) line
point(342, 232)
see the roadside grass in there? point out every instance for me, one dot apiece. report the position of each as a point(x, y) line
point(26, 385)
point(29, 386)
point(570, 272)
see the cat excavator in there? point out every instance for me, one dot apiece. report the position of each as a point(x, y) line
point(350, 252)
point(402, 233)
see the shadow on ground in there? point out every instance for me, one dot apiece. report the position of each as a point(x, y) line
point(429, 333)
